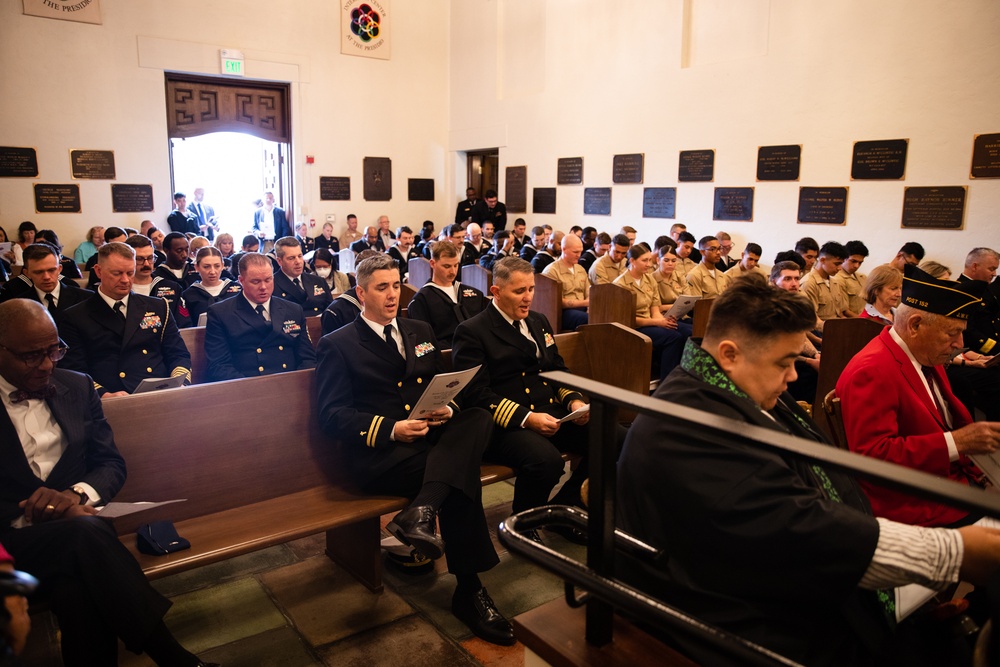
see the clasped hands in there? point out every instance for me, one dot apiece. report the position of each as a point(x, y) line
point(47, 504)
point(408, 430)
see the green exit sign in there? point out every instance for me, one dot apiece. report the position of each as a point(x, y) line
point(232, 62)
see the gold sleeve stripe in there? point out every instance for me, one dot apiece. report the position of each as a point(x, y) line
point(988, 345)
point(504, 412)
point(373, 430)
point(180, 370)
point(563, 393)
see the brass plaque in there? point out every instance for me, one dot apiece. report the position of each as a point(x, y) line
point(659, 202)
point(597, 201)
point(516, 190)
point(378, 179)
point(54, 198)
point(129, 198)
point(627, 168)
point(98, 165)
point(696, 166)
point(779, 163)
point(18, 162)
point(569, 171)
point(934, 208)
point(883, 160)
point(335, 188)
point(734, 204)
point(823, 205)
point(985, 156)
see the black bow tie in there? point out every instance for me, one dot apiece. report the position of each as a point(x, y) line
point(21, 395)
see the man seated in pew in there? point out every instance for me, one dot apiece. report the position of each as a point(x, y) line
point(852, 281)
point(370, 241)
point(488, 231)
point(514, 344)
point(898, 405)
point(705, 280)
point(518, 234)
point(726, 262)
point(111, 235)
point(60, 460)
point(146, 284)
point(478, 240)
point(686, 254)
point(668, 335)
point(370, 375)
point(779, 550)
point(601, 244)
point(612, 265)
point(402, 251)
point(503, 246)
point(250, 244)
point(984, 325)
point(574, 281)
point(256, 333)
point(291, 283)
point(547, 255)
point(345, 308)
point(118, 337)
point(456, 234)
point(528, 250)
point(39, 281)
point(785, 276)
point(822, 285)
point(749, 263)
point(808, 249)
point(444, 303)
point(212, 288)
point(911, 253)
point(178, 266)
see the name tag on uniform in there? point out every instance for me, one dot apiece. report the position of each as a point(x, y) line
point(549, 340)
point(291, 327)
point(149, 321)
point(164, 292)
point(423, 348)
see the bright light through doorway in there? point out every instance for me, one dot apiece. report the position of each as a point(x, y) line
point(230, 166)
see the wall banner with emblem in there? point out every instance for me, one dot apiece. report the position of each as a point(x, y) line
point(364, 28)
point(82, 11)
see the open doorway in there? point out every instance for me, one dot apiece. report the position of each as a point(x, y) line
point(483, 170)
point(231, 137)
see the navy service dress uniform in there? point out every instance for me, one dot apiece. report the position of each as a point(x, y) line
point(313, 296)
point(198, 300)
point(22, 288)
point(190, 277)
point(121, 354)
point(239, 342)
point(343, 310)
point(171, 292)
point(433, 306)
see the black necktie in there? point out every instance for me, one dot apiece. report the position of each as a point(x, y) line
point(201, 214)
point(51, 303)
point(120, 310)
point(297, 283)
point(261, 312)
point(928, 372)
point(390, 341)
point(517, 325)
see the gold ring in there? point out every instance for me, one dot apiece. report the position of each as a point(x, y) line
point(50, 507)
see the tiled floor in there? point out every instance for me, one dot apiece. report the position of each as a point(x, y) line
point(290, 605)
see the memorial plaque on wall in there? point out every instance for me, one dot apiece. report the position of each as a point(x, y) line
point(696, 166)
point(51, 198)
point(378, 179)
point(733, 204)
point(823, 205)
point(934, 208)
point(516, 190)
point(985, 156)
point(420, 189)
point(128, 198)
point(98, 165)
point(543, 200)
point(335, 188)
point(597, 201)
point(627, 168)
point(779, 163)
point(18, 162)
point(569, 171)
point(883, 160)
point(659, 202)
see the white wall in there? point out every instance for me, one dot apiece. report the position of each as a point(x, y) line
point(567, 78)
point(71, 85)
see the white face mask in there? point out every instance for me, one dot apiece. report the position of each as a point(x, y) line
point(323, 273)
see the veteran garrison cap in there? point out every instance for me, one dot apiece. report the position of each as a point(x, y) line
point(943, 297)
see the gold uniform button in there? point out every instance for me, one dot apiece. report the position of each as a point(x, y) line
point(261, 369)
point(399, 384)
point(149, 370)
point(420, 380)
point(281, 348)
point(522, 374)
point(284, 366)
point(552, 400)
point(544, 383)
point(532, 407)
point(121, 375)
point(527, 391)
point(258, 350)
point(144, 352)
point(406, 407)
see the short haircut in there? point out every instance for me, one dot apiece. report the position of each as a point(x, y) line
point(403, 230)
point(587, 230)
point(751, 312)
point(833, 249)
point(207, 251)
point(520, 222)
point(791, 256)
point(285, 242)
point(137, 241)
point(39, 251)
point(115, 248)
point(444, 249)
point(934, 269)
point(980, 255)
point(113, 233)
point(805, 244)
point(367, 268)
point(724, 236)
point(250, 240)
point(178, 195)
point(753, 249)
point(50, 237)
point(678, 227)
point(856, 248)
point(575, 228)
point(130, 231)
point(604, 238)
point(686, 237)
point(366, 254)
point(254, 260)
point(538, 230)
point(704, 241)
point(882, 276)
point(502, 235)
point(662, 241)
point(783, 266)
point(913, 248)
point(451, 230)
point(622, 240)
point(15, 313)
point(490, 194)
point(504, 270)
point(168, 240)
point(626, 229)
point(351, 216)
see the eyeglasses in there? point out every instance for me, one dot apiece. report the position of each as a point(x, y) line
point(35, 358)
point(145, 260)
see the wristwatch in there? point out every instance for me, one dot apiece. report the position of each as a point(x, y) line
point(80, 491)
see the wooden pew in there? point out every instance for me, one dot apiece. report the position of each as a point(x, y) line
point(314, 327)
point(406, 294)
point(699, 318)
point(419, 272)
point(194, 339)
point(842, 339)
point(548, 300)
point(611, 303)
point(476, 276)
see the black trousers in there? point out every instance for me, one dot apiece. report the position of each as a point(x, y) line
point(95, 587)
point(453, 455)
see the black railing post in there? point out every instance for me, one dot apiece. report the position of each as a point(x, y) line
point(603, 458)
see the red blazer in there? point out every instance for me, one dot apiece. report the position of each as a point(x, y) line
point(890, 416)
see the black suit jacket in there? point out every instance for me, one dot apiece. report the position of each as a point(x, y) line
point(90, 457)
point(497, 215)
point(541, 260)
point(198, 300)
point(403, 262)
point(119, 355)
point(361, 245)
point(343, 310)
point(183, 222)
point(314, 296)
point(587, 259)
point(726, 263)
point(433, 306)
point(240, 343)
point(363, 390)
point(983, 331)
point(468, 210)
point(22, 288)
point(508, 384)
point(281, 226)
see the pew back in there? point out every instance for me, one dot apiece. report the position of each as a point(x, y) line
point(476, 276)
point(194, 339)
point(419, 272)
point(699, 317)
point(611, 303)
point(842, 339)
point(548, 300)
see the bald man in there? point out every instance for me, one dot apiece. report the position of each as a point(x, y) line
point(575, 283)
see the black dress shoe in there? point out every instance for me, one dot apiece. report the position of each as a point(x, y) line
point(534, 536)
point(414, 526)
point(574, 535)
point(480, 614)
